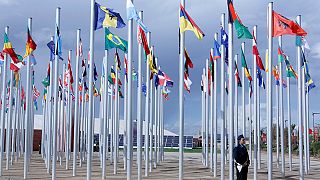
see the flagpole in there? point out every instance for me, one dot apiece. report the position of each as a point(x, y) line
point(255, 105)
point(222, 106)
point(243, 96)
point(303, 94)
point(307, 127)
point(76, 109)
point(116, 119)
point(269, 106)
point(215, 126)
point(129, 110)
point(3, 97)
point(211, 116)
point(250, 119)
point(281, 114)
point(289, 123)
point(155, 122)
point(105, 115)
point(206, 114)
point(147, 112)
point(151, 122)
point(203, 116)
point(230, 101)
point(9, 122)
point(158, 121)
point(258, 128)
point(300, 120)
point(28, 98)
point(236, 103)
point(68, 119)
point(139, 105)
point(181, 100)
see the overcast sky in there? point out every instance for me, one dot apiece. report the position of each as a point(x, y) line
point(161, 17)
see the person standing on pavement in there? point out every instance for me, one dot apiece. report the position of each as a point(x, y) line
point(241, 159)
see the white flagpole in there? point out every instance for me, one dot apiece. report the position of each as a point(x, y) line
point(9, 122)
point(13, 139)
point(206, 114)
point(236, 104)
point(215, 126)
point(243, 97)
point(3, 107)
point(230, 101)
point(158, 122)
point(139, 112)
point(307, 127)
point(151, 121)
point(155, 122)
point(305, 131)
point(181, 100)
point(116, 119)
point(203, 116)
point(83, 117)
point(281, 114)
point(269, 104)
point(105, 115)
point(50, 119)
point(211, 116)
point(56, 89)
point(255, 106)
point(258, 130)
point(68, 119)
point(147, 112)
point(289, 123)
point(91, 111)
point(250, 122)
point(277, 123)
point(222, 110)
point(28, 99)
point(76, 109)
point(129, 101)
point(300, 120)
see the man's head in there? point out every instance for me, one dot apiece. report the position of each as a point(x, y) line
point(241, 139)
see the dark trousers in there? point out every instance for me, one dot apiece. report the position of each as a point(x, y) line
point(242, 175)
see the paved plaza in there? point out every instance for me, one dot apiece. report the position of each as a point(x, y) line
point(167, 170)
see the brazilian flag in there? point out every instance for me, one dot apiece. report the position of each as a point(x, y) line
point(113, 41)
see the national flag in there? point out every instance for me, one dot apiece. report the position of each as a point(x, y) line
point(144, 40)
point(242, 30)
point(30, 45)
point(16, 66)
point(113, 41)
point(267, 60)
point(144, 89)
point(187, 82)
point(113, 75)
point(284, 26)
point(250, 90)
point(224, 41)
point(289, 69)
point(58, 50)
point(186, 23)
point(244, 65)
point(95, 73)
point(8, 49)
point(309, 82)
point(36, 93)
point(105, 17)
point(84, 69)
point(125, 66)
point(151, 63)
point(51, 47)
point(275, 74)
point(117, 60)
point(255, 52)
point(260, 79)
point(216, 51)
point(236, 74)
point(70, 71)
point(132, 14)
point(188, 62)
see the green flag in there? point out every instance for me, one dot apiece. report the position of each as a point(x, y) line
point(242, 31)
point(113, 41)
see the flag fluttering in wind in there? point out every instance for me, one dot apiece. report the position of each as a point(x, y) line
point(284, 26)
point(51, 47)
point(188, 64)
point(113, 41)
point(186, 23)
point(70, 76)
point(242, 30)
point(255, 52)
point(260, 79)
point(106, 17)
point(143, 39)
point(132, 14)
point(8, 49)
point(16, 66)
point(30, 45)
point(236, 74)
point(224, 41)
point(216, 51)
point(275, 74)
point(309, 82)
point(289, 69)
point(46, 80)
point(244, 65)
point(187, 83)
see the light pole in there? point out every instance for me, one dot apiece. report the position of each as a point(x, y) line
point(314, 135)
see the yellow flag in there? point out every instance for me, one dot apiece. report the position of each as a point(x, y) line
point(267, 58)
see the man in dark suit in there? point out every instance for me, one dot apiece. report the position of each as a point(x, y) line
point(241, 158)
